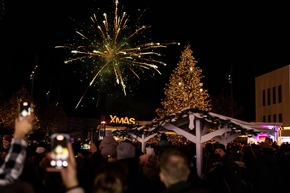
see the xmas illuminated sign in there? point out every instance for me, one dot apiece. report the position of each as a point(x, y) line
point(121, 120)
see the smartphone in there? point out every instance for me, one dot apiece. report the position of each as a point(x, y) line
point(25, 109)
point(86, 145)
point(59, 150)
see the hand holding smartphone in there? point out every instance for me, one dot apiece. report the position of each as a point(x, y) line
point(59, 150)
point(69, 173)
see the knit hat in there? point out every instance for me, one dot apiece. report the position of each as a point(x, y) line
point(150, 150)
point(108, 146)
point(220, 146)
point(125, 150)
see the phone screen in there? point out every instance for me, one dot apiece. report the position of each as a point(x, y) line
point(85, 146)
point(59, 150)
point(25, 109)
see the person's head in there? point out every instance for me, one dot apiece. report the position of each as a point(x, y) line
point(111, 178)
point(213, 161)
point(125, 150)
point(93, 147)
point(268, 140)
point(18, 187)
point(6, 141)
point(163, 136)
point(174, 167)
point(108, 146)
point(220, 149)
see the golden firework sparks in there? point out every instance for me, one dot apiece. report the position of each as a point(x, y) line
point(115, 48)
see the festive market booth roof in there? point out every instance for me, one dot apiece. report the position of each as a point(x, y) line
point(198, 127)
point(268, 127)
point(211, 120)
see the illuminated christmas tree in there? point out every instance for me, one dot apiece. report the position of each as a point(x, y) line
point(185, 89)
point(9, 110)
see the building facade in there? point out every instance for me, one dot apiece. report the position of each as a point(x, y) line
point(272, 91)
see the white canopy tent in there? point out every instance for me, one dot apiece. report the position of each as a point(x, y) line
point(200, 127)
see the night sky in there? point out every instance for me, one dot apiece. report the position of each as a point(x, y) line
point(252, 39)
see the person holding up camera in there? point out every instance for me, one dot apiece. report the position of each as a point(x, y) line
point(13, 165)
point(69, 173)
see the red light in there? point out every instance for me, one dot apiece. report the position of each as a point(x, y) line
point(60, 137)
point(25, 104)
point(103, 122)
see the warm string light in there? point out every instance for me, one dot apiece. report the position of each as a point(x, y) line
point(185, 88)
point(156, 125)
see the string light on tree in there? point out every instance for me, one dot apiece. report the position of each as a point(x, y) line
point(185, 88)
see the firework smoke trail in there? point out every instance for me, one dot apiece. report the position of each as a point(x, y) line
point(115, 48)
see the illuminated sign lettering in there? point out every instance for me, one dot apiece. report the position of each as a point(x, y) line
point(121, 120)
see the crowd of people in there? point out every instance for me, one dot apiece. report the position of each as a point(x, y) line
point(108, 166)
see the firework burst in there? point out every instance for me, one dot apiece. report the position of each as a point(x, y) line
point(114, 49)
